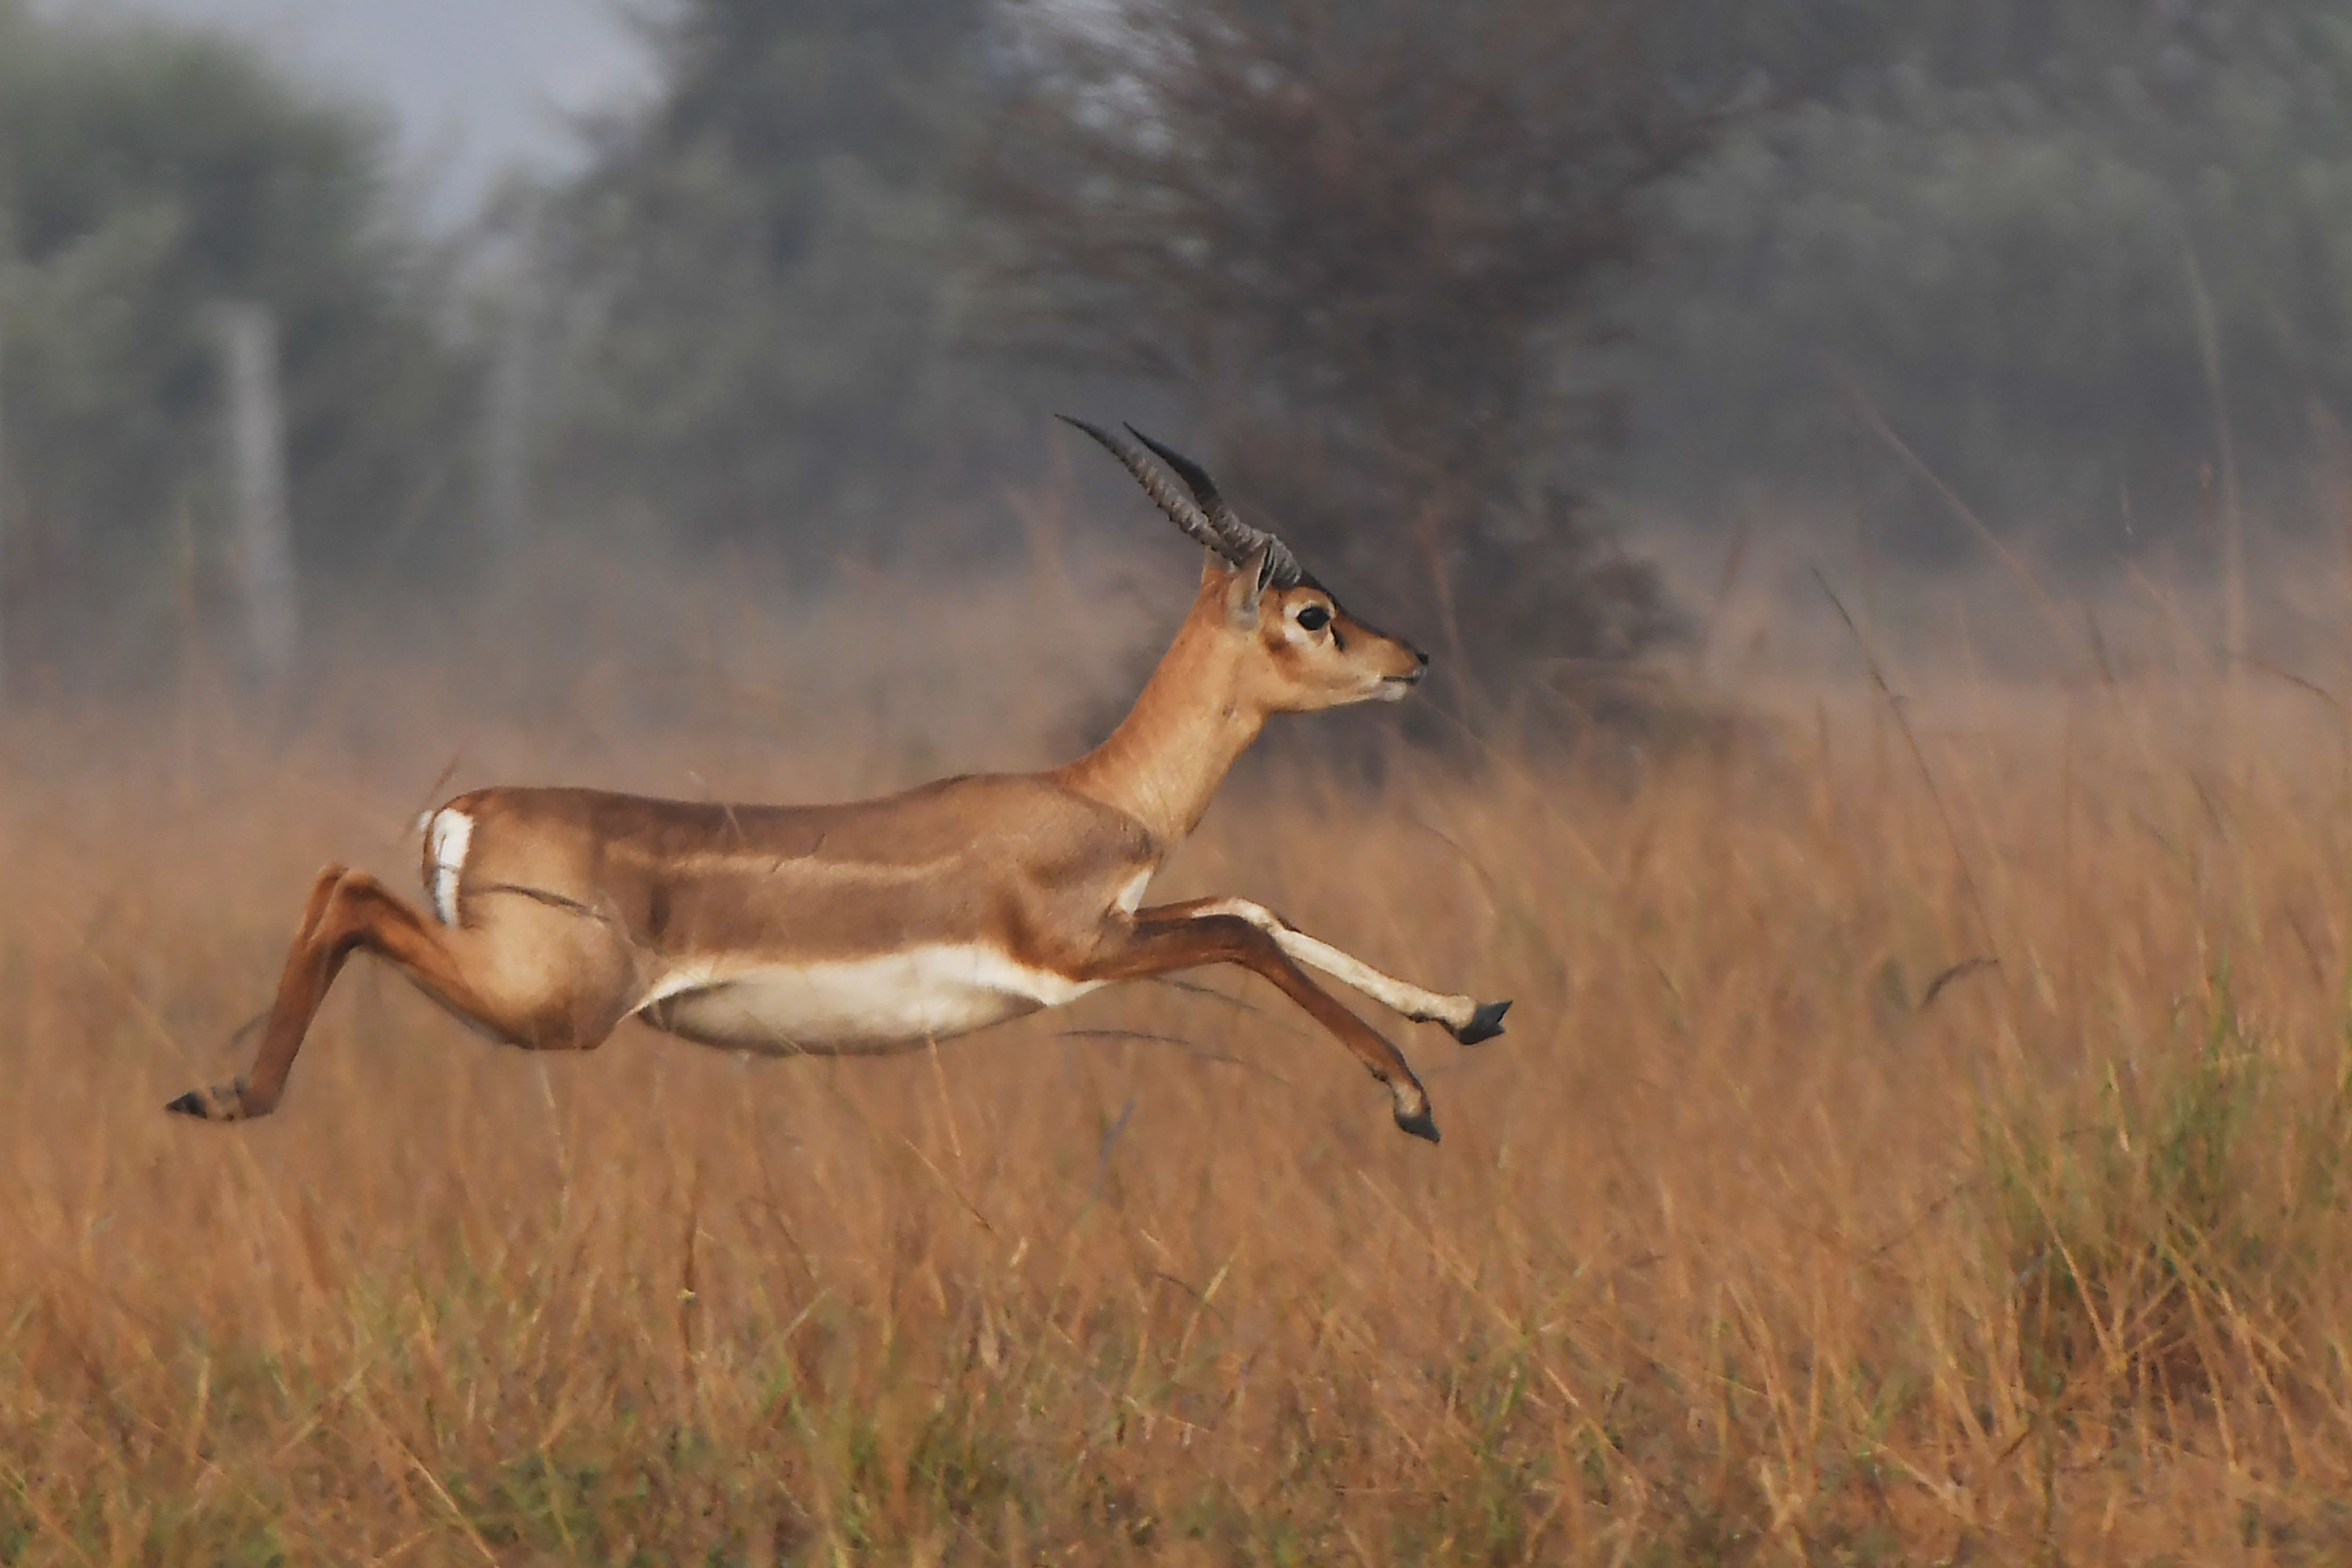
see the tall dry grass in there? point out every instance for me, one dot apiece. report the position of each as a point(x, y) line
point(1922, 1136)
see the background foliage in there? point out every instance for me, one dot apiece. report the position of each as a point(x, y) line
point(1453, 293)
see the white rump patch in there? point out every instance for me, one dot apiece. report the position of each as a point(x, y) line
point(849, 1005)
point(447, 836)
point(1397, 996)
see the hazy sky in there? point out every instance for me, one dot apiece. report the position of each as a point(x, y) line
point(474, 85)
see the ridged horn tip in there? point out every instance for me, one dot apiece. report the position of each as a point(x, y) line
point(1181, 509)
point(1241, 539)
point(1196, 478)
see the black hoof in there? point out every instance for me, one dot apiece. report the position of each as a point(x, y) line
point(1486, 1023)
point(210, 1105)
point(1419, 1123)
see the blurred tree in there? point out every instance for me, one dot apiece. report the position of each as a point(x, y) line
point(1368, 239)
point(2050, 244)
point(147, 175)
point(767, 256)
point(1398, 255)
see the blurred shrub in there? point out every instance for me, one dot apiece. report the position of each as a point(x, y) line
point(1362, 240)
point(2138, 1236)
point(765, 263)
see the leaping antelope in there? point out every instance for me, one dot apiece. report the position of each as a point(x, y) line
point(882, 924)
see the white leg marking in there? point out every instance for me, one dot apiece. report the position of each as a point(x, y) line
point(1131, 897)
point(1397, 996)
point(449, 834)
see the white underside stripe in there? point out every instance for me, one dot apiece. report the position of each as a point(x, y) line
point(849, 1005)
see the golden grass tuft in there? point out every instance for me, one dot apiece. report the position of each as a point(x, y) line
point(1896, 1155)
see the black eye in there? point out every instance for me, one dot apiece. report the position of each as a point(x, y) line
point(1313, 618)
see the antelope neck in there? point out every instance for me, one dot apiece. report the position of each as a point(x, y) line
point(1163, 763)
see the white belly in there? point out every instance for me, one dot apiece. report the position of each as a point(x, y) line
point(852, 1005)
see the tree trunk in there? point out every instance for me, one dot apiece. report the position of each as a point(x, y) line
point(507, 415)
point(6, 477)
point(260, 530)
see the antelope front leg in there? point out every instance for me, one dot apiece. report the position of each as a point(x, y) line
point(1161, 946)
point(1468, 1019)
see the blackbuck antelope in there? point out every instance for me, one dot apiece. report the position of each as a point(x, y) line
point(882, 924)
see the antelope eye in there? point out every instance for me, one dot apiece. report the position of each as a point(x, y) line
point(1313, 618)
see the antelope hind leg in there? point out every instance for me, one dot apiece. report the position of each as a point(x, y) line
point(349, 910)
point(226, 1102)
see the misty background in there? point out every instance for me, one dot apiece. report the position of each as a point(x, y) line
point(316, 316)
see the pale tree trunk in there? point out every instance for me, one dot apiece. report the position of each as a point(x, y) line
point(507, 416)
point(260, 530)
point(6, 477)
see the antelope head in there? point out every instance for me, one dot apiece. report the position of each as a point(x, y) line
point(1302, 651)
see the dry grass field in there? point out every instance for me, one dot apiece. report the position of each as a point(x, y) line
point(1923, 1136)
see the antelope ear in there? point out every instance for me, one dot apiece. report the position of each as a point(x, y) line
point(1247, 586)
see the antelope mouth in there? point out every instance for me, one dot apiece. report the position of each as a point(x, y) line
point(1396, 685)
